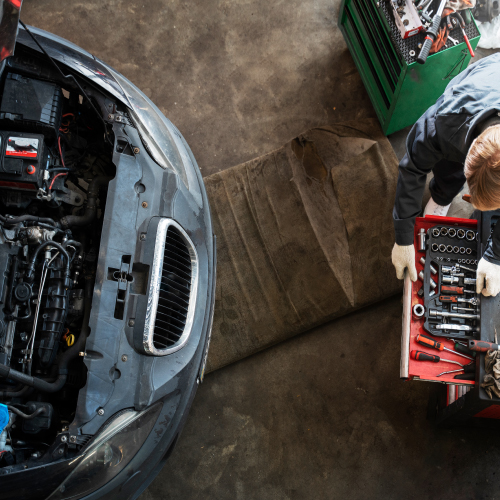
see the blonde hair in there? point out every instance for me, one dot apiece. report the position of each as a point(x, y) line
point(482, 169)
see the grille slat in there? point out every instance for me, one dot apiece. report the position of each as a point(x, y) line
point(178, 280)
point(175, 291)
point(182, 288)
point(171, 304)
point(179, 264)
point(181, 251)
point(170, 320)
point(163, 306)
point(174, 297)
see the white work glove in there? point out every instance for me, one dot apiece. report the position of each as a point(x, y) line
point(404, 257)
point(491, 273)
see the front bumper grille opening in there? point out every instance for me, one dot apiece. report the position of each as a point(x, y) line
point(174, 293)
point(173, 290)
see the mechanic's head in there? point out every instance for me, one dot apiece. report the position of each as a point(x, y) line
point(482, 170)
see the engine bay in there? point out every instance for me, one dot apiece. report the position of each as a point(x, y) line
point(55, 165)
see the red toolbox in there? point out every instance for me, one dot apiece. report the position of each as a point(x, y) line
point(427, 370)
point(454, 257)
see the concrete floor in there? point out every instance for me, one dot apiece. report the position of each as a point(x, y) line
point(323, 415)
point(237, 77)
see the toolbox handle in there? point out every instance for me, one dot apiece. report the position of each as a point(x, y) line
point(404, 368)
point(424, 51)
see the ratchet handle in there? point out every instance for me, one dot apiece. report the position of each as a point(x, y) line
point(452, 289)
point(482, 346)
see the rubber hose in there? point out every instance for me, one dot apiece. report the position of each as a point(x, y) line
point(23, 218)
point(21, 414)
point(91, 209)
point(18, 393)
point(51, 243)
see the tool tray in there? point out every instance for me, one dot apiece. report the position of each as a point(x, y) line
point(427, 370)
point(442, 253)
point(408, 48)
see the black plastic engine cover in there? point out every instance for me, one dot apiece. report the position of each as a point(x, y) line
point(40, 422)
point(7, 254)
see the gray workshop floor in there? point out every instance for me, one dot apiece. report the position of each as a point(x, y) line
point(323, 415)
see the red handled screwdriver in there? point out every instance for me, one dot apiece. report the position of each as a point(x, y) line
point(429, 342)
point(467, 42)
point(461, 23)
point(423, 356)
point(482, 346)
point(455, 289)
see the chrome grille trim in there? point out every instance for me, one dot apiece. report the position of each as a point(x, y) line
point(154, 290)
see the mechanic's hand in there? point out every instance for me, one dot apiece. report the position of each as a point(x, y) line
point(486, 271)
point(403, 256)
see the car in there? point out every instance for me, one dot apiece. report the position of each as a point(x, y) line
point(107, 274)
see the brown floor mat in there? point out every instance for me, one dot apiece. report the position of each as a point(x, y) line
point(304, 235)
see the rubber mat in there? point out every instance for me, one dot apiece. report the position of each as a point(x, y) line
point(304, 235)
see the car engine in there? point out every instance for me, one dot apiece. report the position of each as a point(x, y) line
point(55, 165)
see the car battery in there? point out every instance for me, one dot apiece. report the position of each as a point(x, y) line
point(442, 313)
point(22, 162)
point(31, 105)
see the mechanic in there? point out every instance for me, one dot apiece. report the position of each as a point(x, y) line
point(458, 139)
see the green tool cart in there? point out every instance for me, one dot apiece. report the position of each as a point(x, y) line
point(400, 88)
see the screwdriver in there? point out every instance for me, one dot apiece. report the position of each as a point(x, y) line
point(470, 368)
point(423, 356)
point(429, 342)
point(464, 350)
point(455, 299)
point(455, 289)
point(482, 346)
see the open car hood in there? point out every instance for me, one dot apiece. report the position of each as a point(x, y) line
point(9, 21)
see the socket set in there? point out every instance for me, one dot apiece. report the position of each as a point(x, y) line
point(451, 307)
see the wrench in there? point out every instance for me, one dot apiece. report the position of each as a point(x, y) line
point(434, 313)
point(453, 41)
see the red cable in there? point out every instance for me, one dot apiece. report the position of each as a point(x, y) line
point(60, 151)
point(62, 161)
point(55, 177)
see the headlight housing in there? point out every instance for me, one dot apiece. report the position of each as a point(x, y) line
point(109, 454)
point(152, 128)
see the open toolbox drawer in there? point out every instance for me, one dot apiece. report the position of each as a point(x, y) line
point(413, 326)
point(463, 401)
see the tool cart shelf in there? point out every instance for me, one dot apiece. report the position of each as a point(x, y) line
point(461, 401)
point(400, 89)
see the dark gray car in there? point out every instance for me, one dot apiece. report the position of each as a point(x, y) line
point(107, 275)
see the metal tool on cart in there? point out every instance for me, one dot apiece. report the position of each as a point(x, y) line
point(406, 18)
point(431, 34)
